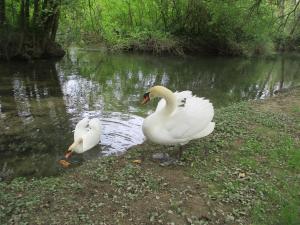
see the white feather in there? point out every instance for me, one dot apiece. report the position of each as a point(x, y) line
point(190, 118)
point(92, 137)
point(81, 128)
point(86, 135)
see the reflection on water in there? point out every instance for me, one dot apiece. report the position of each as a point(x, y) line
point(121, 131)
point(40, 103)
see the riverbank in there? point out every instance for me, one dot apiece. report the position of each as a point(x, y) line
point(241, 28)
point(246, 172)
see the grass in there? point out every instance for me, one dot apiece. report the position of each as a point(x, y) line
point(153, 42)
point(246, 172)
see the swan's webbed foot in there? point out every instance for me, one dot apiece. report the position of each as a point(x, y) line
point(161, 156)
point(164, 159)
point(179, 152)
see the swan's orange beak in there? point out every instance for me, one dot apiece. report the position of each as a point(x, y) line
point(146, 98)
point(68, 154)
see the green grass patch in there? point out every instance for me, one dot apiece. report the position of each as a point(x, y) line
point(254, 164)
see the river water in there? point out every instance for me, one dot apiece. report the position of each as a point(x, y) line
point(41, 102)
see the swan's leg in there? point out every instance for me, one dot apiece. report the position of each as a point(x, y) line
point(165, 160)
point(179, 152)
point(161, 156)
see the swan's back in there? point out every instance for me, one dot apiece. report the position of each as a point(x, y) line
point(191, 118)
point(92, 137)
point(81, 128)
point(95, 124)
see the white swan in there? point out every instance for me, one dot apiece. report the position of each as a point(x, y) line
point(86, 135)
point(179, 117)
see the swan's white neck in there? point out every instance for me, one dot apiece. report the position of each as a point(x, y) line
point(170, 100)
point(73, 146)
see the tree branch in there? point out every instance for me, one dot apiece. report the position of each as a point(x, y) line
point(288, 15)
point(2, 12)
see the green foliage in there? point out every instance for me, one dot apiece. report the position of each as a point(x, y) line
point(226, 27)
point(28, 29)
point(223, 27)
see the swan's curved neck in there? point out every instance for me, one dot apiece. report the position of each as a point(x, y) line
point(75, 144)
point(170, 100)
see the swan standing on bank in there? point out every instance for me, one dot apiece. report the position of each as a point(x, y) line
point(86, 136)
point(179, 117)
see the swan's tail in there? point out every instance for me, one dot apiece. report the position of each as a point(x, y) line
point(210, 128)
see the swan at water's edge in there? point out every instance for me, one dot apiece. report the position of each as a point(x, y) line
point(179, 117)
point(86, 136)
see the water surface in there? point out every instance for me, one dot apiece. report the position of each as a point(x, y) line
point(41, 102)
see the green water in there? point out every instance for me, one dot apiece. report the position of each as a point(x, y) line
point(41, 102)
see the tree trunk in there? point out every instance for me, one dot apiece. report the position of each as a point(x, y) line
point(36, 12)
point(22, 15)
point(45, 3)
point(281, 15)
point(2, 12)
point(54, 25)
point(26, 14)
point(295, 26)
point(32, 35)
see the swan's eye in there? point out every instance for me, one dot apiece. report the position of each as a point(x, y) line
point(146, 98)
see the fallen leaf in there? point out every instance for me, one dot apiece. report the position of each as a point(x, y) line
point(64, 163)
point(137, 161)
point(242, 175)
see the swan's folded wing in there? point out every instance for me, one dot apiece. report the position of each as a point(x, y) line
point(183, 94)
point(191, 119)
point(89, 140)
point(95, 124)
point(92, 137)
point(81, 128)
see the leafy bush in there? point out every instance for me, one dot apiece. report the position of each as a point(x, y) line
point(223, 27)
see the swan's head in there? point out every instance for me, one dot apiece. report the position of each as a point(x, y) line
point(156, 91)
point(72, 148)
point(146, 98)
point(68, 153)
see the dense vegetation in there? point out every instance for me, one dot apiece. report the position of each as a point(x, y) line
point(28, 29)
point(232, 27)
point(225, 27)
